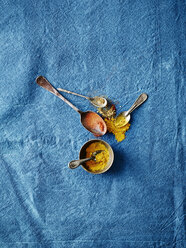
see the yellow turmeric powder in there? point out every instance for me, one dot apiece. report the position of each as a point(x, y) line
point(102, 158)
point(118, 131)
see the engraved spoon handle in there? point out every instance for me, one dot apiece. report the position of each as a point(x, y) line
point(141, 99)
point(73, 93)
point(43, 82)
point(75, 163)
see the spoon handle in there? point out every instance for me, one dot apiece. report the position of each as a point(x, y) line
point(43, 82)
point(141, 99)
point(73, 93)
point(75, 163)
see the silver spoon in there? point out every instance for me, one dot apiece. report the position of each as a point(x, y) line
point(75, 163)
point(90, 120)
point(141, 99)
point(97, 101)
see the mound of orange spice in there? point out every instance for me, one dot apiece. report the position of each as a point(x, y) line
point(118, 131)
point(101, 159)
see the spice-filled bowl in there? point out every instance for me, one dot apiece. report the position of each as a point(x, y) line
point(104, 159)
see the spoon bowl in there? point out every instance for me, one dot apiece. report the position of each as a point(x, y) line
point(122, 121)
point(97, 101)
point(93, 123)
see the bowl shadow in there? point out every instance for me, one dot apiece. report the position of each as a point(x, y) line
point(118, 164)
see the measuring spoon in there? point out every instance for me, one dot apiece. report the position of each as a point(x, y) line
point(120, 121)
point(97, 101)
point(90, 120)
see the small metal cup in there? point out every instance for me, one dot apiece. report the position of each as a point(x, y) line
point(82, 154)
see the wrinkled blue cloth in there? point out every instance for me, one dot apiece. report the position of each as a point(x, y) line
point(114, 48)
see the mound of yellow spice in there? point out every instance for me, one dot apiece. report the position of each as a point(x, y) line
point(102, 158)
point(118, 131)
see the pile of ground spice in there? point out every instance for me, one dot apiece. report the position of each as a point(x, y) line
point(118, 131)
point(101, 159)
point(117, 126)
point(108, 111)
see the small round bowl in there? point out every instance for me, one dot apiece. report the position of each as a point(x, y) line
point(82, 154)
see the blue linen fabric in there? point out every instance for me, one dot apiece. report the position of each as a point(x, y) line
point(116, 48)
